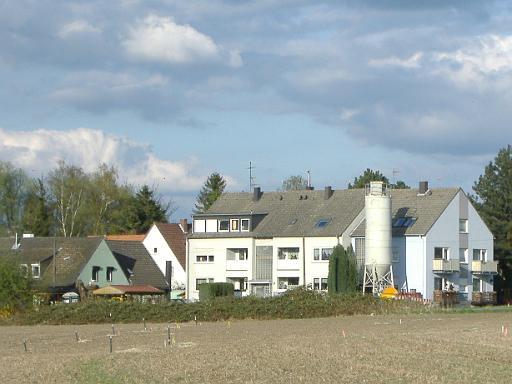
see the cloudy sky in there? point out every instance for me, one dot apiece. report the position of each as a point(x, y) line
point(170, 91)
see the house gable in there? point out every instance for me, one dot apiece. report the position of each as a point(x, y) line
point(103, 258)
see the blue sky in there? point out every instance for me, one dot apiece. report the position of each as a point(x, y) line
point(170, 91)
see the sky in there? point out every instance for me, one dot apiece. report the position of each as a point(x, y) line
point(171, 91)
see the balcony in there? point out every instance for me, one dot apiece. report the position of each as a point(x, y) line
point(484, 267)
point(237, 265)
point(445, 266)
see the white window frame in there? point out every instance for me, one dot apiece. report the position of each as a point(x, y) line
point(208, 258)
point(282, 285)
point(317, 286)
point(479, 288)
point(199, 226)
point(242, 281)
point(242, 221)
point(482, 254)
point(464, 253)
point(38, 266)
point(445, 253)
point(237, 225)
point(283, 253)
point(463, 225)
point(238, 252)
point(219, 224)
point(320, 252)
point(109, 274)
point(206, 281)
point(95, 276)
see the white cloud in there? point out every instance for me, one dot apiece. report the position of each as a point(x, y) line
point(76, 27)
point(40, 150)
point(411, 62)
point(490, 56)
point(160, 39)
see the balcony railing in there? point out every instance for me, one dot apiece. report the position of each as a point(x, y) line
point(482, 267)
point(445, 266)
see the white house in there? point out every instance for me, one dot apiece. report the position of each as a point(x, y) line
point(268, 242)
point(166, 243)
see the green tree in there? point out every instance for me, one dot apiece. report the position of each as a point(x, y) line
point(146, 209)
point(211, 191)
point(493, 200)
point(13, 193)
point(367, 176)
point(36, 215)
point(342, 276)
point(294, 183)
point(400, 185)
point(15, 286)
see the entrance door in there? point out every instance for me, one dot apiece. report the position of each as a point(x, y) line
point(260, 290)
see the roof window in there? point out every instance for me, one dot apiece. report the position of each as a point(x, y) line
point(322, 223)
point(404, 222)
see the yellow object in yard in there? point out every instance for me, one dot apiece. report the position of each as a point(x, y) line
point(389, 293)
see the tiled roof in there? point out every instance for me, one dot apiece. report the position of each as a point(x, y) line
point(125, 237)
point(71, 255)
point(292, 213)
point(425, 208)
point(135, 259)
point(298, 213)
point(176, 239)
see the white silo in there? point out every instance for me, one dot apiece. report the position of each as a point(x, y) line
point(378, 236)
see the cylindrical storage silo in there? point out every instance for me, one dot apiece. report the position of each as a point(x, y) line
point(378, 246)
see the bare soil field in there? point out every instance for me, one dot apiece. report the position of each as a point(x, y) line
point(434, 348)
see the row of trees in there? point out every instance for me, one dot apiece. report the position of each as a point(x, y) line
point(71, 202)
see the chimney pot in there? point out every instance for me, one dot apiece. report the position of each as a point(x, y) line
point(327, 192)
point(184, 225)
point(423, 187)
point(256, 194)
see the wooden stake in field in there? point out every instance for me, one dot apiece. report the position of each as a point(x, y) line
point(343, 333)
point(505, 333)
point(25, 345)
point(195, 319)
point(144, 321)
point(168, 333)
point(77, 337)
point(110, 343)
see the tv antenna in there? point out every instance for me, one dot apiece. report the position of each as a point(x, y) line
point(395, 172)
point(308, 173)
point(251, 177)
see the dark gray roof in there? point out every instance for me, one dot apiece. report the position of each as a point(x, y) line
point(6, 244)
point(292, 213)
point(134, 258)
point(72, 253)
point(425, 208)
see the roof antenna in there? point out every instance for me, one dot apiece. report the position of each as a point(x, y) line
point(308, 172)
point(251, 178)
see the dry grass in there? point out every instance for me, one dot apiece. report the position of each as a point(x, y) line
point(435, 348)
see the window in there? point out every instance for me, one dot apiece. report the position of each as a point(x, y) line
point(236, 254)
point(35, 270)
point(441, 253)
point(203, 281)
point(479, 254)
point(239, 283)
point(322, 223)
point(287, 282)
point(110, 272)
point(404, 222)
point(463, 255)
point(463, 225)
point(288, 253)
point(477, 285)
point(396, 255)
point(234, 225)
point(245, 225)
point(324, 253)
point(155, 250)
point(199, 226)
point(205, 258)
point(438, 284)
point(95, 273)
point(320, 284)
point(223, 225)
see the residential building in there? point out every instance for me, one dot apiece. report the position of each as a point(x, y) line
point(265, 243)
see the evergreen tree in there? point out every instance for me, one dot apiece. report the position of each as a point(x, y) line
point(146, 209)
point(36, 217)
point(367, 176)
point(211, 191)
point(342, 276)
point(493, 200)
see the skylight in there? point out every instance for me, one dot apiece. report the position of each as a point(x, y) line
point(404, 222)
point(322, 223)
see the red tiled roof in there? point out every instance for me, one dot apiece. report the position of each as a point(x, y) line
point(125, 237)
point(176, 239)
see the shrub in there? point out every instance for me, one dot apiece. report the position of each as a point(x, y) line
point(15, 287)
point(210, 290)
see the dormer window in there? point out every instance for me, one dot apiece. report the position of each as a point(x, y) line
point(223, 225)
point(245, 225)
point(235, 225)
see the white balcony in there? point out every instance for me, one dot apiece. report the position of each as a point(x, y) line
point(483, 267)
point(445, 266)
